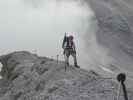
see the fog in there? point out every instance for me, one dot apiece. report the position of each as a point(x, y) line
point(39, 26)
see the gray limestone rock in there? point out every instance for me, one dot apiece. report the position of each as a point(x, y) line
point(29, 77)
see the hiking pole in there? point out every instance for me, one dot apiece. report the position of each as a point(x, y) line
point(65, 67)
point(57, 59)
point(121, 78)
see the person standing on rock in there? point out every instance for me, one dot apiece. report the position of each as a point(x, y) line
point(69, 49)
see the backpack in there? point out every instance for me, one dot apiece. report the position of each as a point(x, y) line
point(66, 43)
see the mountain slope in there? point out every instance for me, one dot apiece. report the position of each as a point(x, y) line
point(29, 77)
point(115, 31)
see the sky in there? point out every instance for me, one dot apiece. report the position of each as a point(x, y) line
point(38, 26)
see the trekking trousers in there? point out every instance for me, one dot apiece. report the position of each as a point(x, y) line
point(67, 53)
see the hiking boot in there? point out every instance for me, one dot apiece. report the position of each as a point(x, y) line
point(77, 66)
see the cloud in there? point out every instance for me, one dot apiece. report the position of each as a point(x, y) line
point(41, 28)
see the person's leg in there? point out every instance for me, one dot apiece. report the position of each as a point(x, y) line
point(66, 56)
point(75, 59)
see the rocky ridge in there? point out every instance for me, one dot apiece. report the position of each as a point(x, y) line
point(29, 77)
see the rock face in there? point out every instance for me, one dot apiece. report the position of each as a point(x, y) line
point(29, 77)
point(115, 30)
